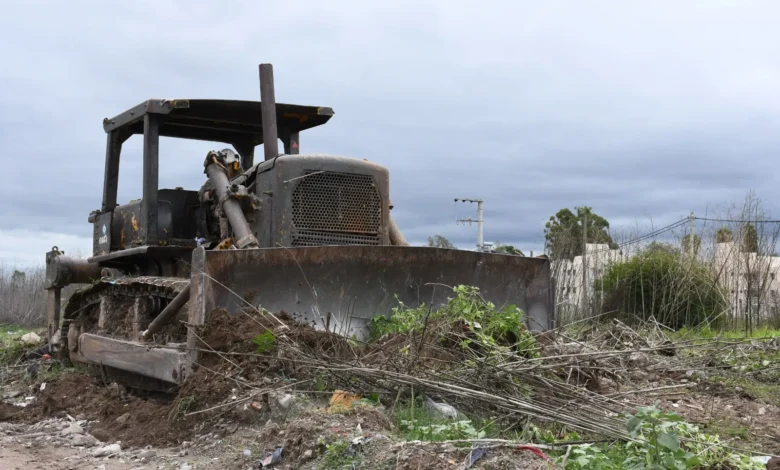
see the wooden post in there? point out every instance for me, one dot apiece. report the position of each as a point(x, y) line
point(584, 262)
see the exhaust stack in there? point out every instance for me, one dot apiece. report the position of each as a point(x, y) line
point(268, 110)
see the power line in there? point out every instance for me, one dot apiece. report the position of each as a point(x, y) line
point(646, 236)
point(680, 223)
point(740, 221)
point(655, 233)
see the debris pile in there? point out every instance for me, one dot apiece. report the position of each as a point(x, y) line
point(273, 392)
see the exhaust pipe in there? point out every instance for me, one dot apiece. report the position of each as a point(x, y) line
point(268, 110)
point(396, 237)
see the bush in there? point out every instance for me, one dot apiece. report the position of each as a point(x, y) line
point(677, 291)
point(487, 325)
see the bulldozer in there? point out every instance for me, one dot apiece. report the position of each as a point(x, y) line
point(311, 235)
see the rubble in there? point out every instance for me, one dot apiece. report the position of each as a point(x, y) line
point(31, 339)
point(107, 450)
point(247, 409)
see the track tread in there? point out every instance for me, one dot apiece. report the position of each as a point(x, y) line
point(165, 287)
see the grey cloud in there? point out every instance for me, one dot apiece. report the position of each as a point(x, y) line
point(645, 110)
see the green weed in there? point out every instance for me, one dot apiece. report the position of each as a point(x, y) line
point(265, 342)
point(662, 441)
point(338, 456)
point(486, 325)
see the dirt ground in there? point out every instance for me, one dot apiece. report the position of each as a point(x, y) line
point(306, 439)
point(75, 415)
point(239, 413)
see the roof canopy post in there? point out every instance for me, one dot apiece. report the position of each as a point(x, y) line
point(291, 143)
point(111, 177)
point(247, 152)
point(148, 227)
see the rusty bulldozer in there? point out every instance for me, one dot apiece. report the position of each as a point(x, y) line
point(311, 235)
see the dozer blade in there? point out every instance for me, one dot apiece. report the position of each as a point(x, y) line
point(340, 288)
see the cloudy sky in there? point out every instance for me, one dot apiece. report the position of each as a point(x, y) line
point(642, 110)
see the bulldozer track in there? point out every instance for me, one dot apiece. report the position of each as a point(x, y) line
point(154, 286)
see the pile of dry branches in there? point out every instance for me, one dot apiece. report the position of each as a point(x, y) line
point(444, 362)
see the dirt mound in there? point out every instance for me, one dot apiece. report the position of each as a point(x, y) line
point(74, 394)
point(232, 333)
point(8, 411)
point(115, 413)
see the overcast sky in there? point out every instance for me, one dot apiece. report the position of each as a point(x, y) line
point(638, 109)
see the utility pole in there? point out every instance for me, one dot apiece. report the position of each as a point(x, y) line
point(584, 262)
point(480, 240)
point(691, 218)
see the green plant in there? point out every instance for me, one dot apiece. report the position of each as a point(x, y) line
point(661, 441)
point(10, 353)
point(660, 432)
point(339, 455)
point(402, 320)
point(676, 291)
point(320, 384)
point(438, 241)
point(484, 324)
point(441, 431)
point(265, 341)
point(587, 456)
point(183, 405)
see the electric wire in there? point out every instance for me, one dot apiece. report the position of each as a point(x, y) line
point(739, 221)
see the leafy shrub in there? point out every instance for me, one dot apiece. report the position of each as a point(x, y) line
point(488, 326)
point(663, 441)
point(677, 291)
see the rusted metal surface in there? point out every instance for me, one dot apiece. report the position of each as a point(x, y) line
point(167, 364)
point(345, 286)
point(331, 208)
point(396, 236)
point(53, 312)
point(168, 313)
point(151, 180)
point(163, 287)
point(62, 270)
point(321, 200)
point(225, 121)
point(243, 236)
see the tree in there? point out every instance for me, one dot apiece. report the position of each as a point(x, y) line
point(686, 245)
point(563, 232)
point(18, 277)
point(724, 235)
point(507, 249)
point(661, 247)
point(749, 239)
point(437, 241)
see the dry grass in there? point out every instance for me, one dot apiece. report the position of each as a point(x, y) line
point(23, 297)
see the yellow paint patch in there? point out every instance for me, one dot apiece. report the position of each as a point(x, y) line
point(134, 223)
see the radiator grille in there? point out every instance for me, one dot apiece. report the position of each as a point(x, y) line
point(336, 209)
